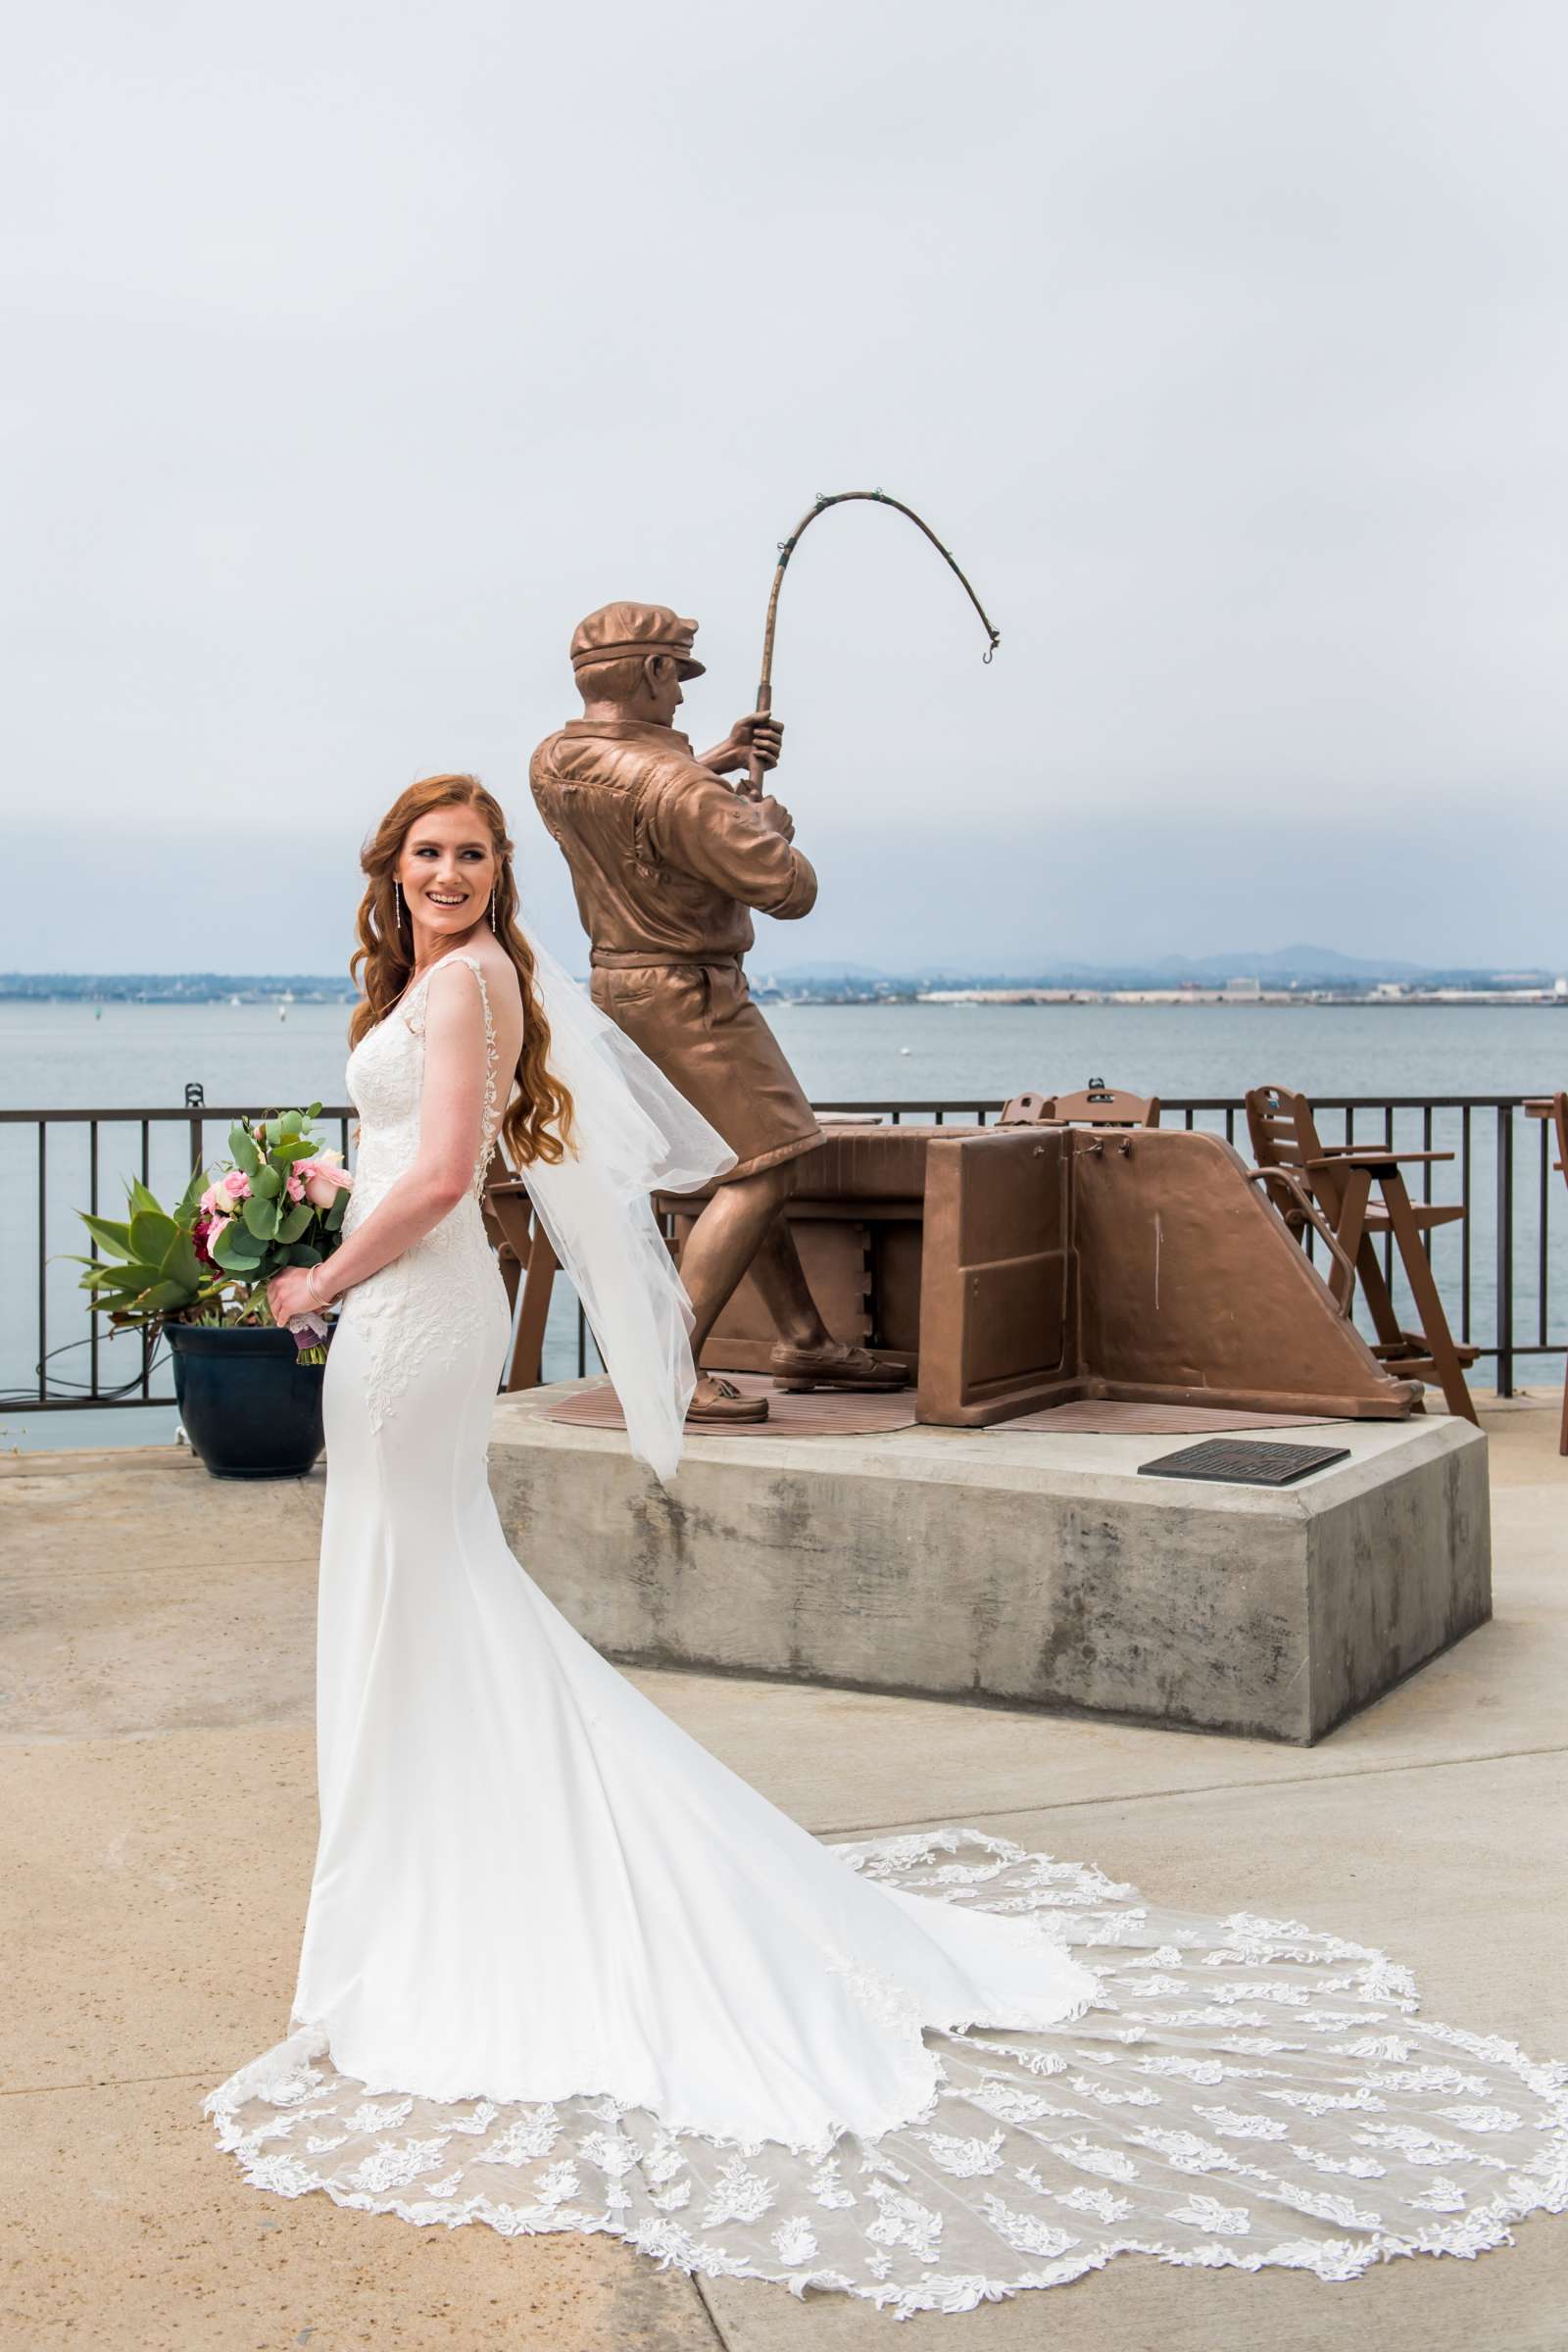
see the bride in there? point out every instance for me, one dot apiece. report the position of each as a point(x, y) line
point(562, 1970)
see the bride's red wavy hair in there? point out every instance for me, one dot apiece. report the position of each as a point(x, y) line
point(538, 1124)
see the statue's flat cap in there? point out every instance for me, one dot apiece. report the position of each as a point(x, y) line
point(616, 632)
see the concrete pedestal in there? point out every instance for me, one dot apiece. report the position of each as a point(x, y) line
point(1023, 1569)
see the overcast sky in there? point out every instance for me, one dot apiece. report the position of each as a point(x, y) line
point(358, 351)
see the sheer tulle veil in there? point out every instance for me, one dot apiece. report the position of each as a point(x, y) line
point(633, 1135)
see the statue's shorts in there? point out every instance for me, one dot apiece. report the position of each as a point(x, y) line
point(697, 1022)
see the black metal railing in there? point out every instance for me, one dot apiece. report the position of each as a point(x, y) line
point(1499, 1269)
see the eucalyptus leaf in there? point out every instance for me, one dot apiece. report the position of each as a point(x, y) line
point(266, 1184)
point(336, 1214)
point(242, 1151)
point(260, 1216)
point(305, 1253)
point(294, 1222)
point(274, 1132)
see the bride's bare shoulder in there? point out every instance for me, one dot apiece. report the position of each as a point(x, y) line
point(495, 966)
point(500, 973)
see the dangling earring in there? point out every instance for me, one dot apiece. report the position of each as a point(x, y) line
point(398, 892)
point(493, 907)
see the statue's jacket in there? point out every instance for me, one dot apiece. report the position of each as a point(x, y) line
point(667, 862)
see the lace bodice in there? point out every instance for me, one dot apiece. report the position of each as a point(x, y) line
point(385, 1081)
point(418, 1310)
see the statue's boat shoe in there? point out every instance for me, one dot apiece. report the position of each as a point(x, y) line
point(835, 1366)
point(730, 1406)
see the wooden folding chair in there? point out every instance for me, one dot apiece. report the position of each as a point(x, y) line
point(523, 1248)
point(1337, 1180)
point(1096, 1105)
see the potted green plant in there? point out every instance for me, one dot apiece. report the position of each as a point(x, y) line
point(249, 1394)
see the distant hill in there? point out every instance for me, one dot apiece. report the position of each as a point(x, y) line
point(1300, 963)
point(1303, 962)
point(827, 970)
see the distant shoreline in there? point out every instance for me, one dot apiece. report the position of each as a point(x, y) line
point(284, 998)
point(1298, 1000)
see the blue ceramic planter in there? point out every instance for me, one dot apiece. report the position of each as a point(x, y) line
point(250, 1408)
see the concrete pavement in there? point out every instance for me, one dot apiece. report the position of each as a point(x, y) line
point(154, 1843)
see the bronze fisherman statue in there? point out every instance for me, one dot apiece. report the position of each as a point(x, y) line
point(668, 861)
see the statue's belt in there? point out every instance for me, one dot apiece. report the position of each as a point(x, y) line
point(636, 959)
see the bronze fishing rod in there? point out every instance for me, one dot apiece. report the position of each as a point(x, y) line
point(787, 547)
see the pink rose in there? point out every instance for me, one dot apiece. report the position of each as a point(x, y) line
point(204, 1244)
point(323, 1178)
point(294, 1188)
point(224, 1193)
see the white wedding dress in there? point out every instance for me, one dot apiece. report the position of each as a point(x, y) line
point(562, 1970)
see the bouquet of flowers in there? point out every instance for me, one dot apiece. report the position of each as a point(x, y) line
point(278, 1200)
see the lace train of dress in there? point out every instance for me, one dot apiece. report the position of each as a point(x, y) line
point(562, 1970)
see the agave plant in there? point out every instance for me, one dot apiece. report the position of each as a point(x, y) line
point(150, 1269)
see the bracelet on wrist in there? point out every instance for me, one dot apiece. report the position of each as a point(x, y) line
point(312, 1293)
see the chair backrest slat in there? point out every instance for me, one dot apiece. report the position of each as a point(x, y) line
point(1284, 1134)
